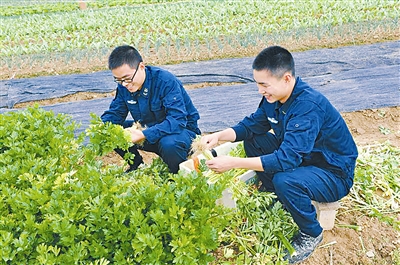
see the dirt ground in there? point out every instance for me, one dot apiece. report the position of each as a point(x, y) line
point(375, 243)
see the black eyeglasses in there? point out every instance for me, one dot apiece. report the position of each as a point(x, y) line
point(128, 80)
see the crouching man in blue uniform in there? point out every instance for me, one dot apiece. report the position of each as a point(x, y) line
point(309, 155)
point(157, 100)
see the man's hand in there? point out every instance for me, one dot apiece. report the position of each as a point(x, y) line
point(210, 140)
point(137, 136)
point(221, 164)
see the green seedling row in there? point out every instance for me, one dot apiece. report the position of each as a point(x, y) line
point(177, 24)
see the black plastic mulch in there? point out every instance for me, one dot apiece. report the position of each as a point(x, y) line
point(353, 78)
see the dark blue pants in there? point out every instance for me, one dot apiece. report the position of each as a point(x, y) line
point(173, 149)
point(296, 188)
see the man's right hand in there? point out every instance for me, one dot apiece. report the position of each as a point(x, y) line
point(210, 140)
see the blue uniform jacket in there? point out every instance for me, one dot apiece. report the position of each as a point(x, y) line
point(162, 105)
point(310, 132)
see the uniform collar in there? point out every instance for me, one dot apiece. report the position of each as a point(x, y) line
point(296, 91)
point(145, 90)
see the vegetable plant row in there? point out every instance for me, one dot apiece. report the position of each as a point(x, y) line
point(376, 189)
point(23, 7)
point(180, 24)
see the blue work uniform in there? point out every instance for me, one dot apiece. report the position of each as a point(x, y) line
point(311, 154)
point(165, 109)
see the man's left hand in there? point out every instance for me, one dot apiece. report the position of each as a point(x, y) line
point(220, 164)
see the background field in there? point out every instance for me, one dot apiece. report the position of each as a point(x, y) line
point(56, 37)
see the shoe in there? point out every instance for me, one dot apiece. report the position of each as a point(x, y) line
point(304, 246)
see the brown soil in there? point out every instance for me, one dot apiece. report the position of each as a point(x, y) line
point(374, 244)
point(374, 125)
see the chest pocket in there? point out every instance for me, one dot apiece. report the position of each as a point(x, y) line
point(158, 111)
point(301, 130)
point(299, 125)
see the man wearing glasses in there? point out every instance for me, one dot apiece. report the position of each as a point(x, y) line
point(157, 100)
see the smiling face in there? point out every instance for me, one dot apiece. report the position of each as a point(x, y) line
point(274, 88)
point(131, 78)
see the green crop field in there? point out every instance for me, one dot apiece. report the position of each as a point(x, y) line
point(39, 32)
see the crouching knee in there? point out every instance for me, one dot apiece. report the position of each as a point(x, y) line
point(283, 182)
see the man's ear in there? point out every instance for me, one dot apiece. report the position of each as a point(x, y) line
point(287, 77)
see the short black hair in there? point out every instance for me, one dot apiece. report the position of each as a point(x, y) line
point(124, 54)
point(276, 60)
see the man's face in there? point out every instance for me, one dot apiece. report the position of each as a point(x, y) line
point(273, 88)
point(131, 78)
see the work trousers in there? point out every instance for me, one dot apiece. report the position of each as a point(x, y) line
point(296, 188)
point(173, 149)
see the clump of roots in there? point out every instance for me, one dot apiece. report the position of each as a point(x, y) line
point(198, 148)
point(137, 126)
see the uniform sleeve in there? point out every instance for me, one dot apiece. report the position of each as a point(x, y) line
point(172, 104)
point(256, 123)
point(117, 111)
point(299, 139)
